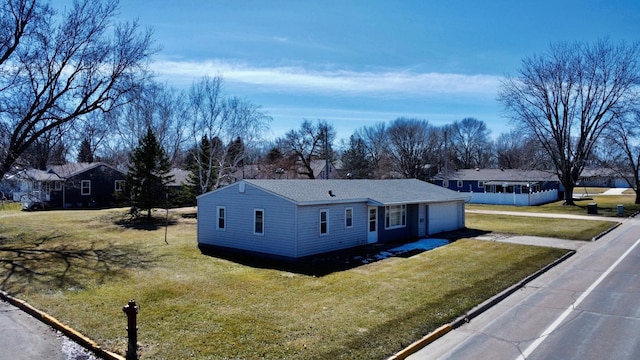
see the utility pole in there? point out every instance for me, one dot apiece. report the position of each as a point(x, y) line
point(326, 152)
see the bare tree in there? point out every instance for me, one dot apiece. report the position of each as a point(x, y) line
point(621, 152)
point(414, 145)
point(157, 106)
point(470, 142)
point(307, 144)
point(51, 148)
point(355, 160)
point(376, 142)
point(57, 67)
point(223, 121)
point(567, 97)
point(517, 150)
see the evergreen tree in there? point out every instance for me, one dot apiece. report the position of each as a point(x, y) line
point(148, 174)
point(85, 154)
point(355, 161)
point(201, 167)
point(235, 153)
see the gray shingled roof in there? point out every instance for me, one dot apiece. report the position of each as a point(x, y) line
point(35, 175)
point(180, 177)
point(508, 175)
point(378, 192)
point(71, 169)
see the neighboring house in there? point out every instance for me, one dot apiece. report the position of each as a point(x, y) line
point(87, 185)
point(292, 219)
point(319, 168)
point(602, 177)
point(180, 178)
point(72, 185)
point(177, 189)
point(323, 170)
point(503, 186)
point(38, 184)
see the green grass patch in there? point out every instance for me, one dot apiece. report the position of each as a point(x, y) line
point(10, 206)
point(83, 266)
point(536, 226)
point(607, 206)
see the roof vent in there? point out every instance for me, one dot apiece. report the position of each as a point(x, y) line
point(331, 193)
point(241, 187)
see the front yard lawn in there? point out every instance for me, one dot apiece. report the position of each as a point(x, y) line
point(536, 226)
point(607, 206)
point(83, 266)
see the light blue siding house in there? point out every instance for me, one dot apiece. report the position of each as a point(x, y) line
point(292, 219)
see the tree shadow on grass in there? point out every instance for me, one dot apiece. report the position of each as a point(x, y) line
point(48, 262)
point(465, 233)
point(145, 223)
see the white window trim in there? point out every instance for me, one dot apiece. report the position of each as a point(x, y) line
point(460, 183)
point(119, 185)
point(255, 212)
point(82, 188)
point(481, 184)
point(348, 210)
point(224, 218)
point(403, 217)
point(326, 222)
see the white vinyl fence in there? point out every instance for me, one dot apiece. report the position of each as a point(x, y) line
point(528, 199)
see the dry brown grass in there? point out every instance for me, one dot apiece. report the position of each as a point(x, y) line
point(83, 266)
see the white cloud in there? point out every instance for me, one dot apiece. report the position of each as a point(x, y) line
point(298, 79)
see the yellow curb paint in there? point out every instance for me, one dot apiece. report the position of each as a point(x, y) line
point(426, 340)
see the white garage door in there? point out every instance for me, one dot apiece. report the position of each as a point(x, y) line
point(445, 217)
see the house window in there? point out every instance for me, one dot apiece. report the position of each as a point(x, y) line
point(324, 222)
point(57, 185)
point(258, 222)
point(480, 184)
point(348, 217)
point(460, 184)
point(119, 185)
point(395, 216)
point(85, 187)
point(221, 212)
point(445, 183)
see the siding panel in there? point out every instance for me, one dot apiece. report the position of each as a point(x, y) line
point(310, 242)
point(279, 232)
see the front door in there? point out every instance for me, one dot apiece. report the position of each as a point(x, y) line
point(422, 220)
point(372, 236)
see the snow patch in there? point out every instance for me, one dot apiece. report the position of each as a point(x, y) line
point(422, 245)
point(73, 351)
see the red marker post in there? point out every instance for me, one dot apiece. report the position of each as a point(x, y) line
point(131, 310)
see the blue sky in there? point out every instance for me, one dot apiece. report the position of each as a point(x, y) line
point(356, 63)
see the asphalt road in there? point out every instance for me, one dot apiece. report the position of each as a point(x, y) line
point(23, 337)
point(585, 308)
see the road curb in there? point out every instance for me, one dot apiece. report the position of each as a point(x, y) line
point(424, 341)
point(597, 237)
point(73, 334)
point(441, 331)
